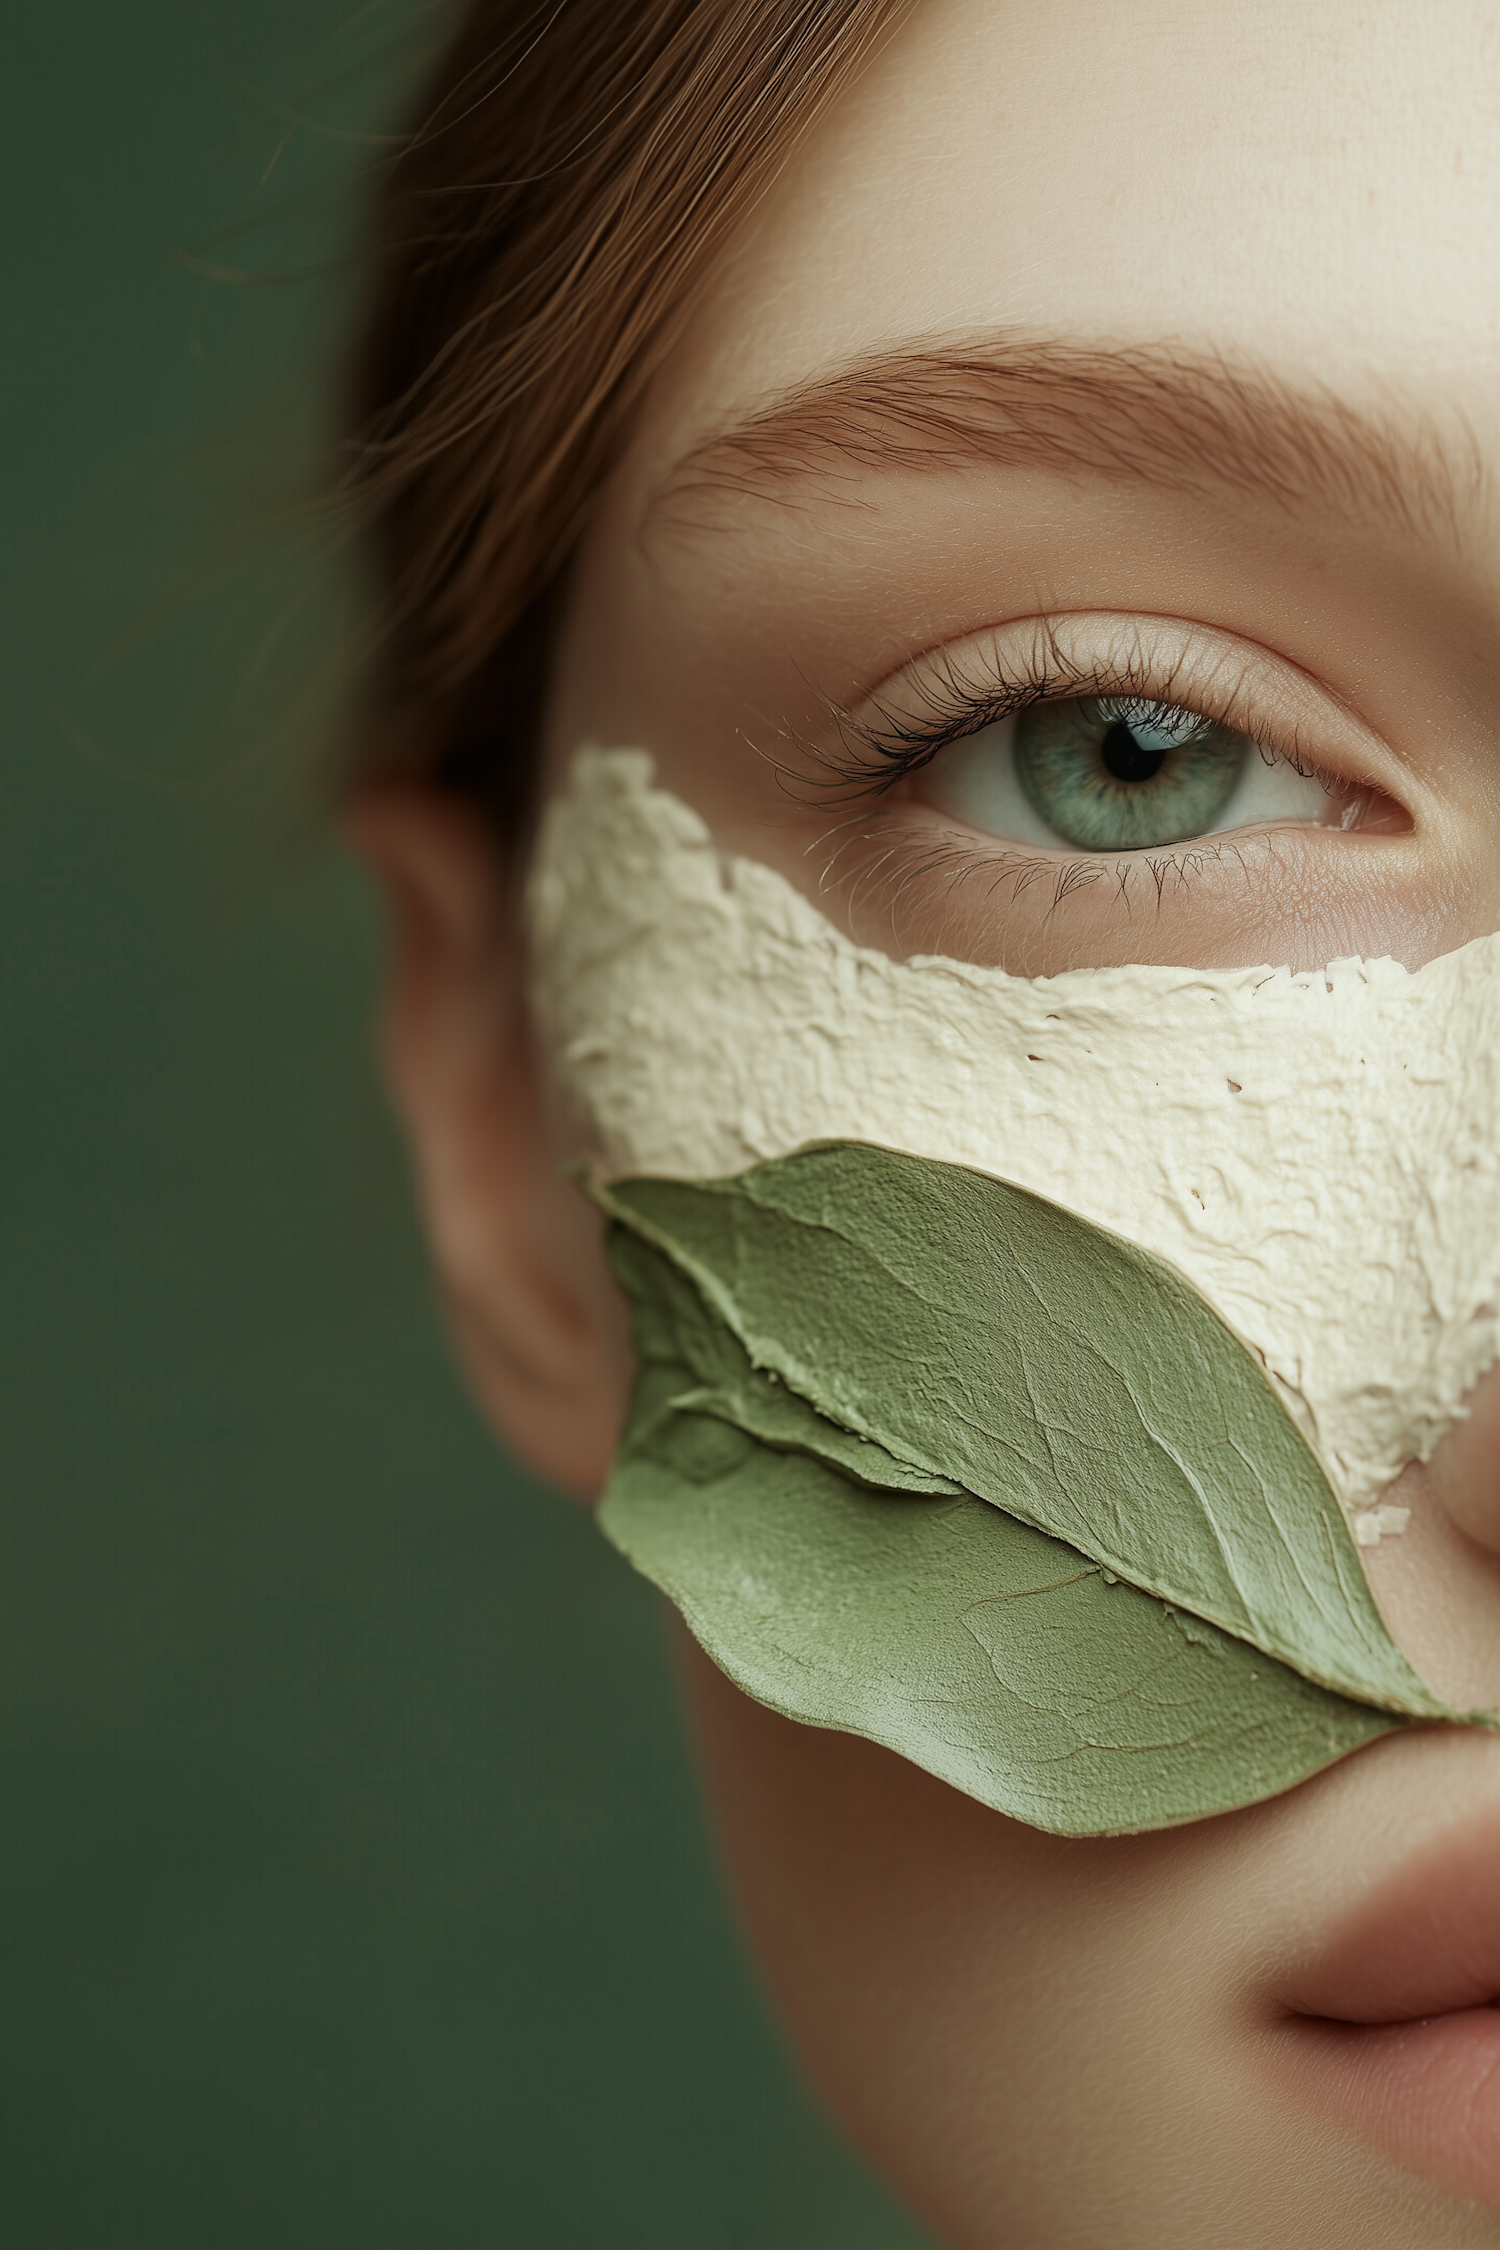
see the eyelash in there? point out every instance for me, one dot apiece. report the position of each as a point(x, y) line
point(877, 756)
point(951, 699)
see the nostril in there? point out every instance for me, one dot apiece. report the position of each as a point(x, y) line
point(1464, 1473)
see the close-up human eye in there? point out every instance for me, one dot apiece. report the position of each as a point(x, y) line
point(1115, 736)
point(1119, 774)
point(1017, 795)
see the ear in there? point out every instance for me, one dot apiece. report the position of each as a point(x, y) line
point(537, 1318)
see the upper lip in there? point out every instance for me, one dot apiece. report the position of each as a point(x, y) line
point(1423, 1941)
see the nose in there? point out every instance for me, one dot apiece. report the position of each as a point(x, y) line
point(1464, 1473)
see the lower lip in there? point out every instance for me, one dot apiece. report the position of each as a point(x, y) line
point(1426, 2092)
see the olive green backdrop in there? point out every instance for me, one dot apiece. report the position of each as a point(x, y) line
point(355, 1888)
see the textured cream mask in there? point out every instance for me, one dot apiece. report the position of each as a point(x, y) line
point(1011, 1350)
point(1319, 1155)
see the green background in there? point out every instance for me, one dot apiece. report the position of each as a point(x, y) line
point(355, 1891)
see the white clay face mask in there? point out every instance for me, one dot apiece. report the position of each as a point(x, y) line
point(1021, 1360)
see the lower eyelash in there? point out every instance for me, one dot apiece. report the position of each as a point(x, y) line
point(1169, 872)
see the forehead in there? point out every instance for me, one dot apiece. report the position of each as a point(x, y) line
point(1316, 189)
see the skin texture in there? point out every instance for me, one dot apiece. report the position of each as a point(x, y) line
point(1065, 2043)
point(1045, 2043)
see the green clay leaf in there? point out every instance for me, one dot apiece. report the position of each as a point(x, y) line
point(989, 1341)
point(1000, 1659)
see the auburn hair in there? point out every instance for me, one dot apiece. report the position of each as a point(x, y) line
point(538, 239)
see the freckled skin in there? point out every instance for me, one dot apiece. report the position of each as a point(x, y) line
point(1044, 2045)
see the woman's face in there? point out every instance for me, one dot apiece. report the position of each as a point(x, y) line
point(1140, 352)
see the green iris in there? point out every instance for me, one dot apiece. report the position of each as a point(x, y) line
point(1120, 773)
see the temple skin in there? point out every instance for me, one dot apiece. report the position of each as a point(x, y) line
point(1045, 2043)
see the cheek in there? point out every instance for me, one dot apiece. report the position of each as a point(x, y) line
point(1438, 1584)
point(885, 1911)
point(1464, 1473)
point(1048, 2042)
point(1031, 2039)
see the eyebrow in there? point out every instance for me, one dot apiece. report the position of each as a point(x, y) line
point(1164, 415)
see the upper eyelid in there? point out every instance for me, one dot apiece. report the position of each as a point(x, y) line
point(1124, 666)
point(1131, 652)
point(962, 706)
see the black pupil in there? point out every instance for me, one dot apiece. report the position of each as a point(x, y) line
point(1125, 759)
